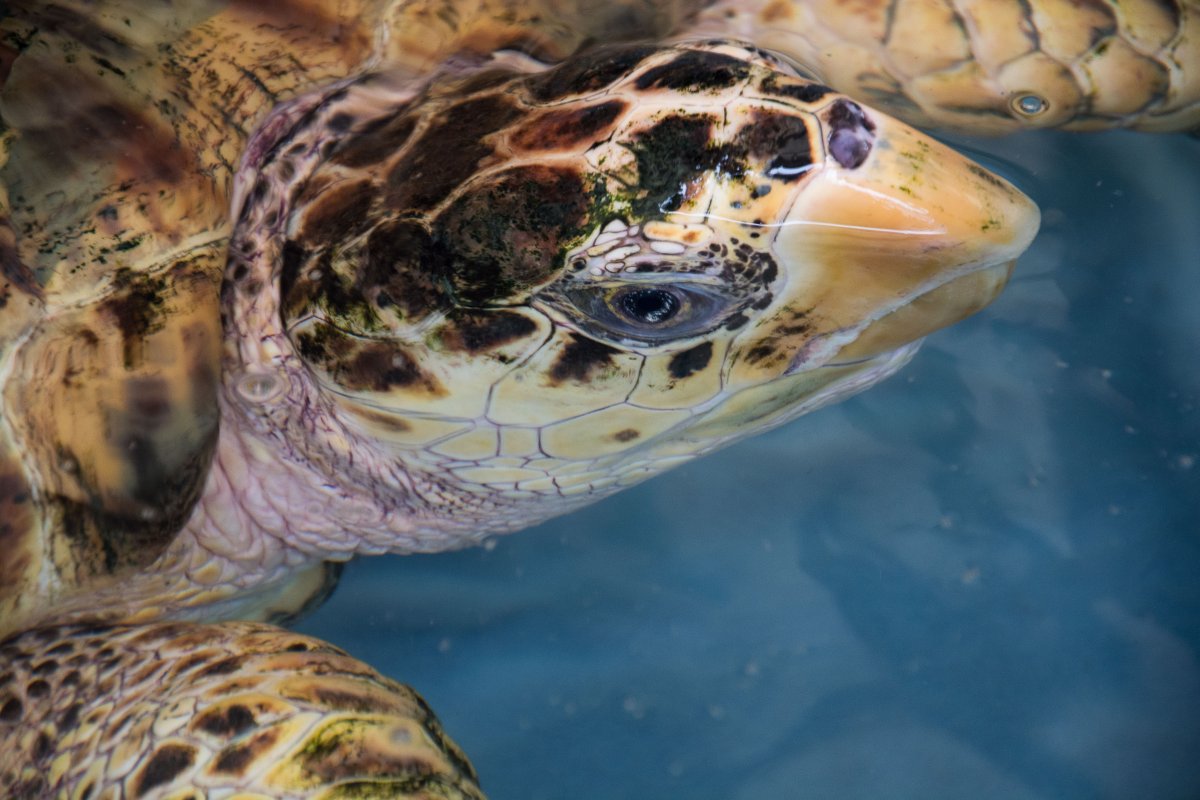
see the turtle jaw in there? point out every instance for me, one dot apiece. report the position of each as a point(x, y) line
point(939, 307)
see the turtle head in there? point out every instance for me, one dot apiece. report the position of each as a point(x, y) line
point(521, 288)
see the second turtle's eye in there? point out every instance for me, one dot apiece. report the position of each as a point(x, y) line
point(646, 306)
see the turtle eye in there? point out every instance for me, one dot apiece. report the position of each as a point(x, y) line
point(645, 306)
point(651, 313)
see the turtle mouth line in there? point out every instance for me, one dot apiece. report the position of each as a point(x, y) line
point(877, 360)
point(928, 310)
point(878, 357)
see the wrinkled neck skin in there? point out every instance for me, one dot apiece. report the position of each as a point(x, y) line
point(291, 471)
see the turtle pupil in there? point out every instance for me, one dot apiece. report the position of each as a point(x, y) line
point(650, 306)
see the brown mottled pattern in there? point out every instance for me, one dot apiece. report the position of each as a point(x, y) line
point(581, 359)
point(145, 713)
point(449, 151)
point(480, 332)
point(538, 208)
point(560, 129)
point(362, 364)
point(119, 422)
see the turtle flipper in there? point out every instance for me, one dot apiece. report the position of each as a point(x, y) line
point(197, 710)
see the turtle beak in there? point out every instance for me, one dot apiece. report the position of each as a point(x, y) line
point(896, 237)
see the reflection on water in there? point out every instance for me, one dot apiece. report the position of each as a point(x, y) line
point(977, 580)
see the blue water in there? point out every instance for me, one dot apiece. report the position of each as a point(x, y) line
point(978, 580)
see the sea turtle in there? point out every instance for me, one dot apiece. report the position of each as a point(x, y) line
point(291, 281)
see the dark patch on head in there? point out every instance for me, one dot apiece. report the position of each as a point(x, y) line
point(448, 152)
point(381, 366)
point(359, 364)
point(167, 762)
point(691, 361)
point(508, 234)
point(404, 272)
point(627, 435)
point(561, 129)
point(588, 73)
point(338, 213)
point(225, 721)
point(760, 353)
point(234, 759)
point(806, 92)
point(694, 71)
point(374, 142)
point(581, 359)
point(479, 332)
point(670, 157)
point(851, 134)
point(783, 139)
point(318, 283)
point(293, 292)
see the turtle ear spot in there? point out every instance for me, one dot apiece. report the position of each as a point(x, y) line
point(259, 387)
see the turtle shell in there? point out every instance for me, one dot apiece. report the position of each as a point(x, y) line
point(112, 256)
point(123, 132)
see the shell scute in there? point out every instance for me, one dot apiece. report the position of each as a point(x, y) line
point(589, 74)
point(449, 151)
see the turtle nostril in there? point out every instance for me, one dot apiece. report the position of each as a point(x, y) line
point(852, 134)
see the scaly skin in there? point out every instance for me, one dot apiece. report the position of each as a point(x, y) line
point(193, 711)
point(841, 237)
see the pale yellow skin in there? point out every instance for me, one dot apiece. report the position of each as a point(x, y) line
point(127, 199)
